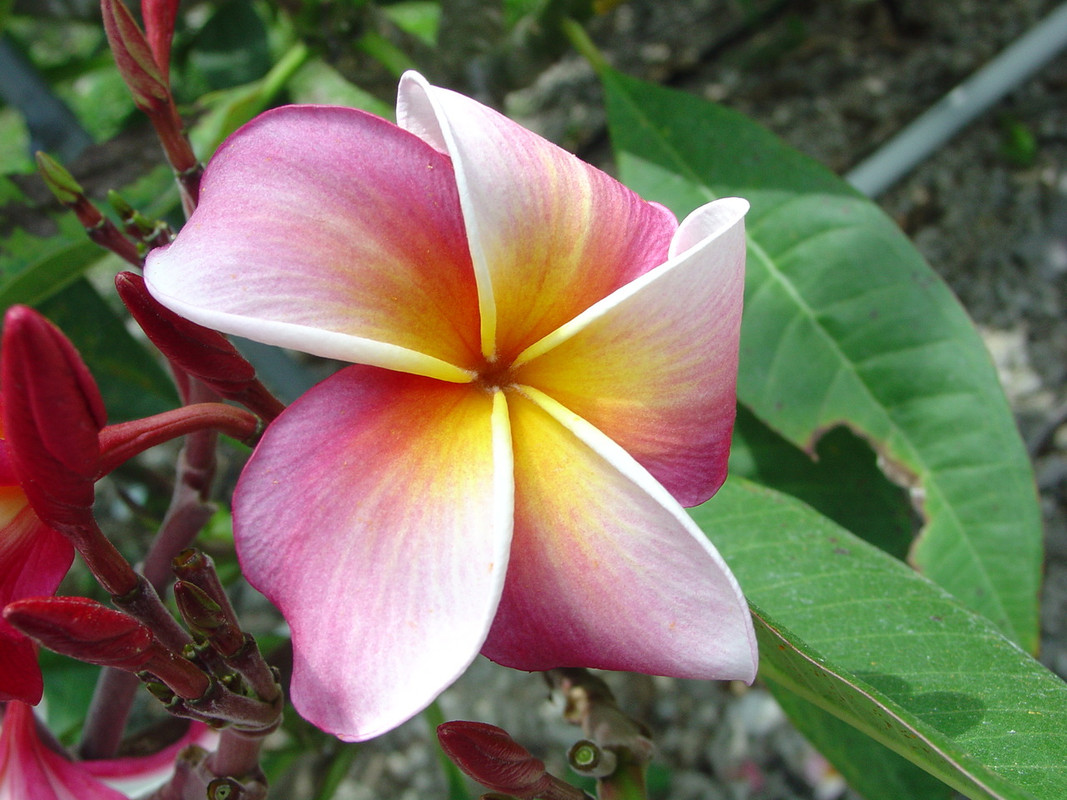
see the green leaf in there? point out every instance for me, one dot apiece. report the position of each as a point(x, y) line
point(420, 18)
point(68, 690)
point(868, 767)
point(854, 631)
point(131, 380)
point(229, 109)
point(318, 82)
point(385, 53)
point(40, 250)
point(846, 325)
point(843, 482)
point(232, 48)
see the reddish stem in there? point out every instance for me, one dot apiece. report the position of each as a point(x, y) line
point(121, 442)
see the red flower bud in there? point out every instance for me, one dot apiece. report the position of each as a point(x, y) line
point(83, 629)
point(52, 416)
point(159, 17)
point(148, 83)
point(490, 756)
point(134, 57)
point(203, 353)
point(92, 632)
point(200, 351)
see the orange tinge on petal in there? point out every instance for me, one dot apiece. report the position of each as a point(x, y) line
point(549, 234)
point(654, 366)
point(387, 498)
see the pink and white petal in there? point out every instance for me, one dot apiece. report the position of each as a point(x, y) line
point(333, 232)
point(29, 770)
point(34, 559)
point(136, 776)
point(606, 569)
point(376, 514)
point(549, 235)
point(654, 365)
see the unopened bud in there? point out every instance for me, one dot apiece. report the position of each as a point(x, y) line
point(58, 180)
point(159, 18)
point(148, 83)
point(207, 618)
point(490, 756)
point(150, 233)
point(134, 57)
point(201, 352)
point(83, 629)
point(92, 632)
point(70, 193)
point(52, 416)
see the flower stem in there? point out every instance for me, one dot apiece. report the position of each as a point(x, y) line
point(591, 705)
point(121, 442)
point(581, 42)
point(108, 712)
point(188, 512)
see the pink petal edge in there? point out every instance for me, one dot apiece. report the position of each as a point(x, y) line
point(607, 570)
point(388, 499)
point(333, 232)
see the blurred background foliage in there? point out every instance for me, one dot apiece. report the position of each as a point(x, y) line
point(233, 58)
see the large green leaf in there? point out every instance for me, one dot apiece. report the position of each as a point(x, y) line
point(846, 325)
point(856, 632)
point(869, 768)
point(843, 481)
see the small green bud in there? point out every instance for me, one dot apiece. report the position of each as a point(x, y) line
point(58, 180)
point(588, 758)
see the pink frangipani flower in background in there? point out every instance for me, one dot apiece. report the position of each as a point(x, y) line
point(544, 370)
point(32, 769)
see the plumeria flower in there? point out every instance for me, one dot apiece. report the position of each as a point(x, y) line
point(543, 373)
point(30, 769)
point(33, 561)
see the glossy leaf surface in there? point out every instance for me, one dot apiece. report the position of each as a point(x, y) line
point(854, 631)
point(845, 324)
